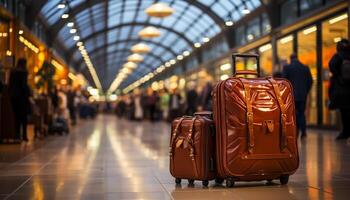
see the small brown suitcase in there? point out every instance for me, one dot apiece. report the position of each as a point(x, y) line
point(192, 148)
point(255, 128)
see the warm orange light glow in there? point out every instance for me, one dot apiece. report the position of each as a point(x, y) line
point(160, 10)
point(140, 48)
point(149, 32)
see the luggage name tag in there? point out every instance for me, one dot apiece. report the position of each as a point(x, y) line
point(269, 125)
point(179, 142)
point(185, 144)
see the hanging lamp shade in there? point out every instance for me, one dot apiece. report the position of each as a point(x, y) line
point(135, 58)
point(130, 65)
point(149, 32)
point(159, 10)
point(140, 48)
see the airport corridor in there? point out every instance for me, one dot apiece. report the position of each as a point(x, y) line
point(111, 158)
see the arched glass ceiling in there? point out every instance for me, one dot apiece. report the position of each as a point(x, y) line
point(100, 23)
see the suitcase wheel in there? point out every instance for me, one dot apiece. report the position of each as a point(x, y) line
point(269, 182)
point(190, 181)
point(219, 181)
point(284, 180)
point(230, 183)
point(205, 183)
point(178, 180)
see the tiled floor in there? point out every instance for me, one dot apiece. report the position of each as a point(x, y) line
point(116, 159)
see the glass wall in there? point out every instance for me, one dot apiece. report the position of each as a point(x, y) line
point(4, 39)
point(284, 50)
point(253, 29)
point(289, 11)
point(5, 53)
point(215, 50)
point(307, 54)
point(223, 69)
point(191, 63)
point(308, 5)
point(333, 30)
point(240, 36)
point(266, 60)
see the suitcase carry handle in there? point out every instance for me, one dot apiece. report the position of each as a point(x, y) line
point(245, 72)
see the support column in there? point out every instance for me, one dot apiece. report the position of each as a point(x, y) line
point(275, 60)
point(348, 19)
point(319, 82)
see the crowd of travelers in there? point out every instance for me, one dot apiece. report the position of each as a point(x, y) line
point(164, 104)
point(52, 112)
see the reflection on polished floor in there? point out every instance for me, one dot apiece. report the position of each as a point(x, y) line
point(116, 159)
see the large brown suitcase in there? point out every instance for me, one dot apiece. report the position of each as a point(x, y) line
point(192, 149)
point(256, 127)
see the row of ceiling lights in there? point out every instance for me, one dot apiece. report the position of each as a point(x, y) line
point(80, 46)
point(159, 10)
point(161, 68)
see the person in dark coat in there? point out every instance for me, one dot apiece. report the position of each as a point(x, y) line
point(205, 101)
point(20, 93)
point(300, 77)
point(191, 100)
point(72, 107)
point(339, 90)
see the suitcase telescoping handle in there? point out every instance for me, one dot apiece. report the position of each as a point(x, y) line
point(245, 72)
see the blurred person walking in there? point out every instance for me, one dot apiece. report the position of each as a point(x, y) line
point(174, 105)
point(54, 98)
point(72, 105)
point(164, 103)
point(63, 111)
point(191, 100)
point(20, 93)
point(339, 90)
point(138, 106)
point(152, 105)
point(300, 77)
point(205, 101)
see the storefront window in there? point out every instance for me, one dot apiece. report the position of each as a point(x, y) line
point(4, 40)
point(253, 29)
point(284, 50)
point(307, 55)
point(332, 31)
point(265, 52)
point(6, 60)
point(266, 27)
point(223, 70)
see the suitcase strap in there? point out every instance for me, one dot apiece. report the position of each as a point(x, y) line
point(189, 141)
point(250, 116)
point(173, 136)
point(283, 112)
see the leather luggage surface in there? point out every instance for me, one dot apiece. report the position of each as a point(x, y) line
point(256, 128)
point(192, 148)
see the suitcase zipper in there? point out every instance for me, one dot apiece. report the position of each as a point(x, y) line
point(218, 132)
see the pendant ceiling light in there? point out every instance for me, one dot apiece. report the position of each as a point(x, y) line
point(130, 65)
point(135, 58)
point(149, 32)
point(160, 10)
point(140, 48)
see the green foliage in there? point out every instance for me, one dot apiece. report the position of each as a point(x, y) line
point(45, 77)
